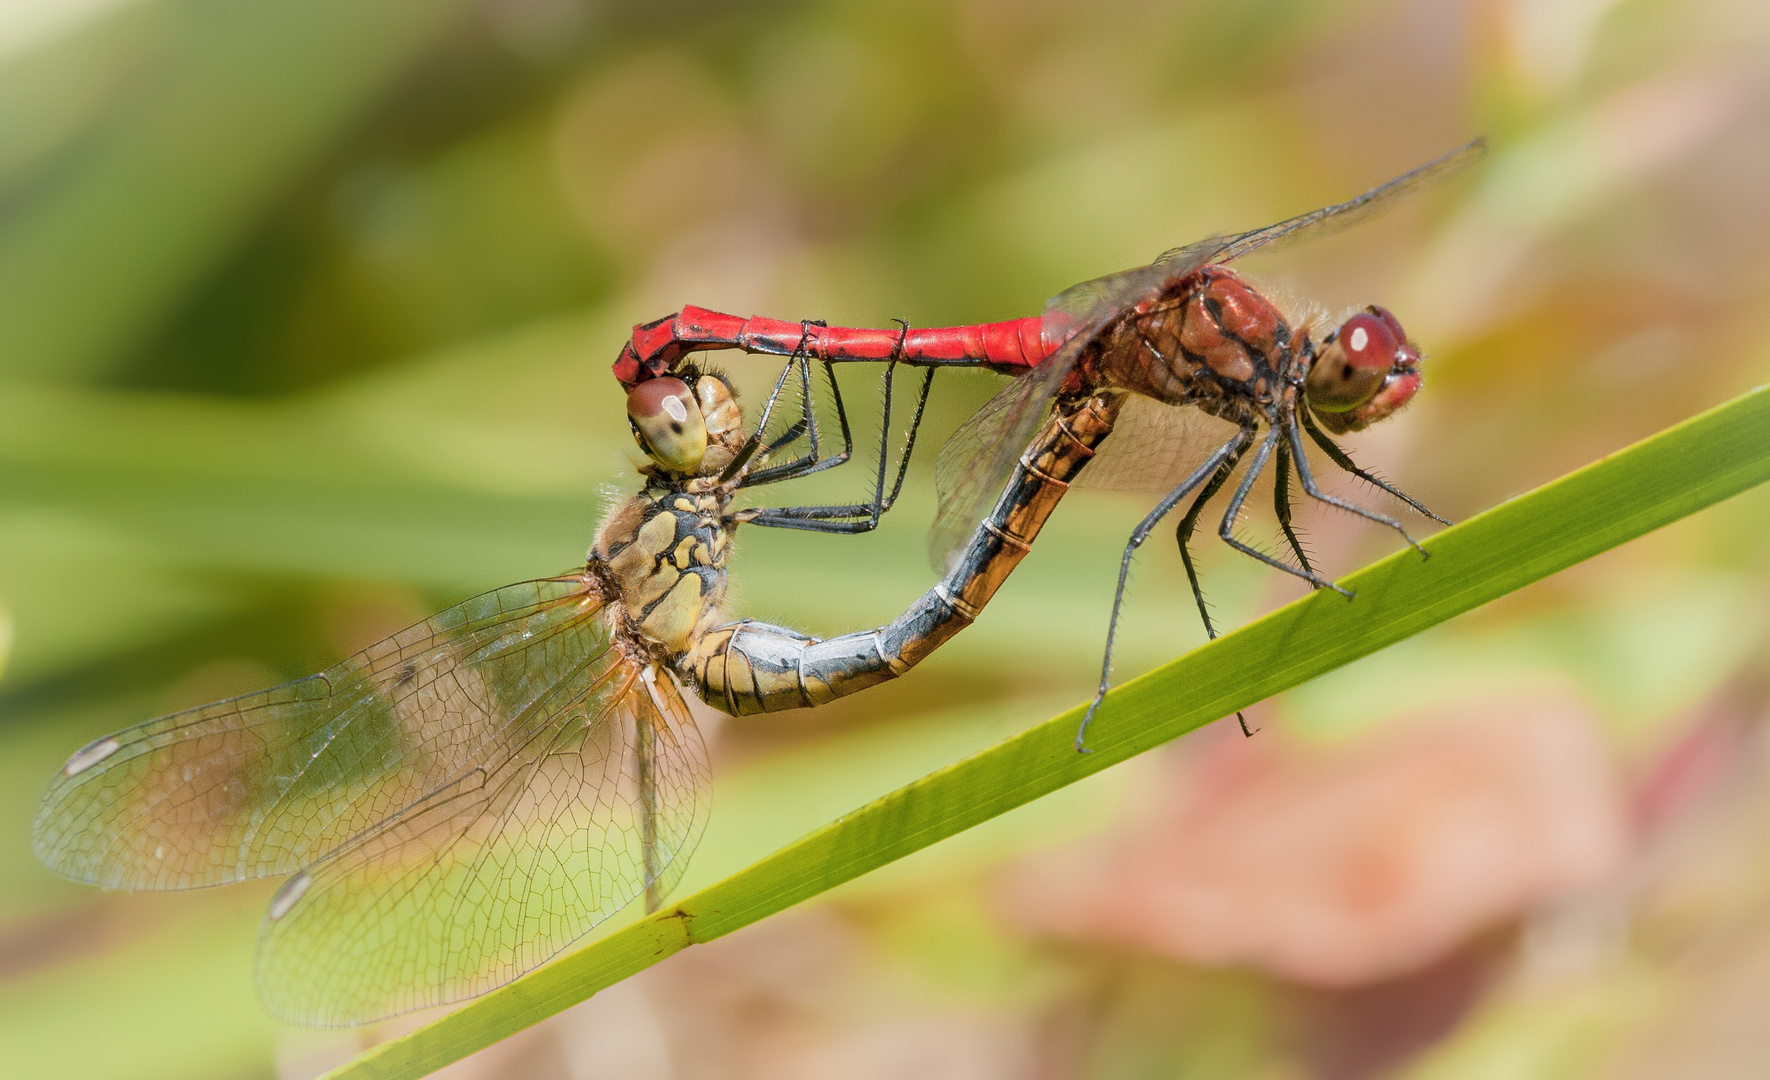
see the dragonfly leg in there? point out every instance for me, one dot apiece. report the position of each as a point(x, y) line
point(1183, 536)
point(812, 461)
point(856, 517)
point(806, 426)
point(741, 460)
point(1344, 461)
point(1234, 448)
point(1308, 481)
point(1281, 503)
point(1226, 528)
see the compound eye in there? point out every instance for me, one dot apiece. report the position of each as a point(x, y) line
point(1390, 321)
point(1351, 368)
point(668, 424)
point(1368, 342)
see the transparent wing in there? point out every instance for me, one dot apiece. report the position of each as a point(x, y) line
point(977, 460)
point(1094, 303)
point(1153, 447)
point(1331, 219)
point(574, 816)
point(265, 784)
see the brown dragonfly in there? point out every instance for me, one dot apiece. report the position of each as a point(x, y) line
point(1184, 330)
point(458, 803)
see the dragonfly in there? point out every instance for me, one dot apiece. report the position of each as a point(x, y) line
point(1187, 329)
point(461, 801)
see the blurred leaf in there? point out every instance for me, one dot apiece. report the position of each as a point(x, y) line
point(461, 471)
point(1669, 476)
point(145, 148)
point(190, 962)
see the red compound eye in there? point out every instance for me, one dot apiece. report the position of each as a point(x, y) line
point(1369, 342)
point(1390, 321)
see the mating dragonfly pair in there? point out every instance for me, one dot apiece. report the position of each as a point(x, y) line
point(458, 803)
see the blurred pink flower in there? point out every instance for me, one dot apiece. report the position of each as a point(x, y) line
point(1343, 865)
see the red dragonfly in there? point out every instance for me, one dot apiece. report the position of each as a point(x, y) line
point(1184, 330)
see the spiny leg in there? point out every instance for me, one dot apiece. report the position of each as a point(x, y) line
point(818, 518)
point(797, 517)
point(1344, 461)
point(1235, 446)
point(1281, 503)
point(1226, 528)
point(1183, 536)
point(741, 460)
point(826, 518)
point(812, 461)
point(1308, 481)
point(909, 442)
point(807, 422)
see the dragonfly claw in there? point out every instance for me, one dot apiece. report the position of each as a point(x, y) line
point(1082, 731)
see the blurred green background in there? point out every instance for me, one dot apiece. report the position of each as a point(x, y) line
point(306, 310)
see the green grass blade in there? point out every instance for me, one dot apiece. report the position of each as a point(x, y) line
point(1657, 481)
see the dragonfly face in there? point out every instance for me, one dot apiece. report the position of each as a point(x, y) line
point(687, 432)
point(1365, 371)
point(667, 422)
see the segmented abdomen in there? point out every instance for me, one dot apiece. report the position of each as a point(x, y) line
point(750, 667)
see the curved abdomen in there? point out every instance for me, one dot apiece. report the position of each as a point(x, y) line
point(750, 667)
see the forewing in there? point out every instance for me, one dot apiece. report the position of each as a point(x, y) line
point(1093, 303)
point(1331, 219)
point(488, 878)
point(265, 784)
point(977, 460)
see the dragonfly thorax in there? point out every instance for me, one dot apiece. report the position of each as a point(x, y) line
point(1214, 341)
point(1210, 340)
point(665, 550)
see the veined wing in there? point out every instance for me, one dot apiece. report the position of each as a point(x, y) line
point(1165, 446)
point(975, 463)
point(977, 459)
point(492, 875)
point(264, 784)
point(1331, 219)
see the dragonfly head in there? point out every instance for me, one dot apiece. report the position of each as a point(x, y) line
point(667, 421)
point(1365, 370)
point(688, 426)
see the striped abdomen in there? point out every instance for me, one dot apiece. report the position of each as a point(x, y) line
point(749, 667)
